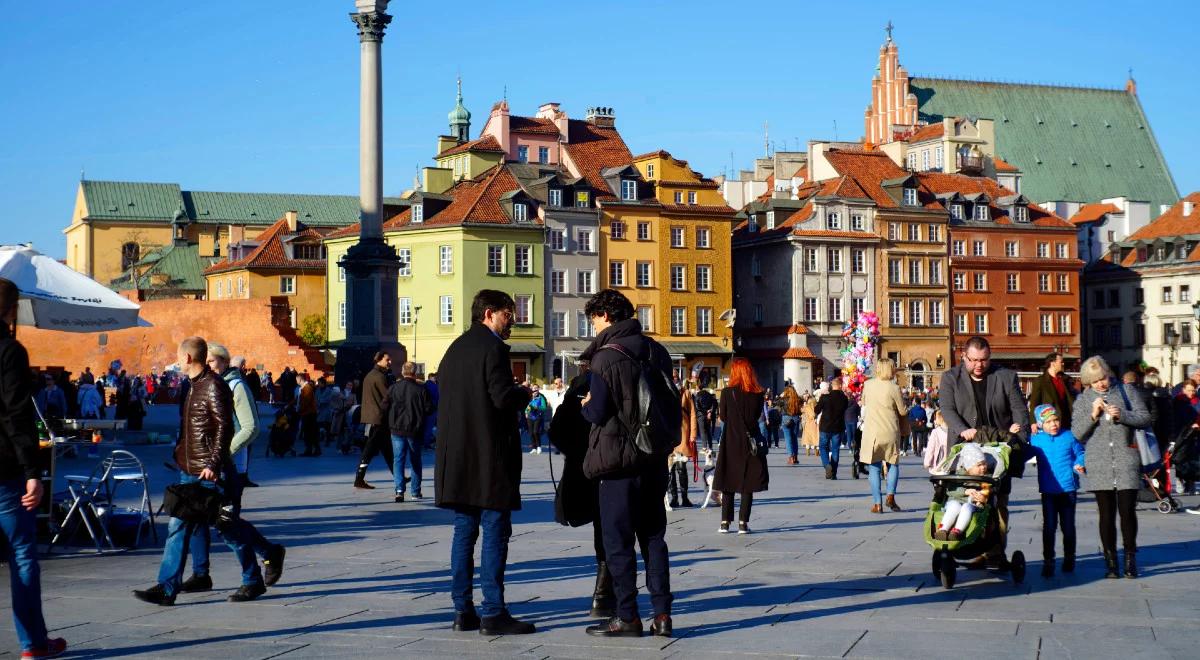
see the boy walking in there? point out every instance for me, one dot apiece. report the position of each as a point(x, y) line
point(1059, 459)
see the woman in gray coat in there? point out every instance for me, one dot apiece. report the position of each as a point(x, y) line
point(1104, 420)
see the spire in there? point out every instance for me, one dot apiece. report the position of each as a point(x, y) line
point(888, 28)
point(1131, 84)
point(460, 118)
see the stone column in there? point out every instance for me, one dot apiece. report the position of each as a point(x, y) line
point(371, 264)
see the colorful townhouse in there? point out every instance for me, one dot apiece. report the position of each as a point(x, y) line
point(287, 260)
point(803, 266)
point(482, 233)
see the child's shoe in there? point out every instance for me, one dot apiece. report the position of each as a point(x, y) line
point(955, 535)
point(941, 534)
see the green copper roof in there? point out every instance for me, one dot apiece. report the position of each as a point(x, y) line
point(183, 266)
point(1071, 144)
point(129, 200)
point(460, 114)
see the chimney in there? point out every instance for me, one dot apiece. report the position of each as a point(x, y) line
point(293, 219)
point(601, 117)
point(1187, 208)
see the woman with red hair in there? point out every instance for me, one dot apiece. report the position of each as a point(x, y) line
point(739, 470)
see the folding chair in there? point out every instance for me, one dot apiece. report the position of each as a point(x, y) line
point(85, 493)
point(95, 495)
point(126, 468)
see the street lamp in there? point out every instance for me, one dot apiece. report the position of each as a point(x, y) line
point(1172, 339)
point(416, 317)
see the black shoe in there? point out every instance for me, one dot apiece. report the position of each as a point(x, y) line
point(417, 496)
point(1068, 564)
point(1130, 564)
point(273, 566)
point(196, 584)
point(465, 621)
point(661, 626)
point(251, 484)
point(399, 498)
point(828, 472)
point(247, 592)
point(1110, 565)
point(504, 624)
point(615, 627)
point(833, 470)
point(674, 503)
point(155, 595)
point(686, 503)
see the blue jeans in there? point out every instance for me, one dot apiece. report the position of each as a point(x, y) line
point(497, 530)
point(406, 449)
point(19, 527)
point(851, 431)
point(893, 478)
point(1058, 512)
point(789, 434)
point(180, 536)
point(828, 447)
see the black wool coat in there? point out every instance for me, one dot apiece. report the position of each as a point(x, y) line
point(737, 471)
point(578, 497)
point(479, 444)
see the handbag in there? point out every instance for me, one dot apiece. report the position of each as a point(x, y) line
point(758, 444)
point(1147, 442)
point(192, 503)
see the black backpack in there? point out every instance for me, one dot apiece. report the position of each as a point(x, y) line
point(656, 429)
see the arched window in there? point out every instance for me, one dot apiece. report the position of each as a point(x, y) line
point(130, 253)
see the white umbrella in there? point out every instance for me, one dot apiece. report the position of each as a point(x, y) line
point(54, 297)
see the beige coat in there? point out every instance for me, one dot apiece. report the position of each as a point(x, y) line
point(883, 410)
point(687, 429)
point(810, 435)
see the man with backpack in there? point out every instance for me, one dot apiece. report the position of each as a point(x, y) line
point(635, 415)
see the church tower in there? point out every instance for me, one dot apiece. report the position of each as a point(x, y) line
point(460, 118)
point(891, 102)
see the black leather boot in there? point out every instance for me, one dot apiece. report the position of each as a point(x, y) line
point(854, 470)
point(833, 469)
point(682, 477)
point(1131, 564)
point(603, 599)
point(360, 479)
point(673, 487)
point(1110, 565)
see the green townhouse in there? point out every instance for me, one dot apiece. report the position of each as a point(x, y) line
point(481, 233)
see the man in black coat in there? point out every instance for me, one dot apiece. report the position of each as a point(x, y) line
point(409, 405)
point(373, 414)
point(632, 484)
point(478, 468)
point(831, 408)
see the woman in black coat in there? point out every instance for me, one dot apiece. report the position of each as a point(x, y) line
point(737, 470)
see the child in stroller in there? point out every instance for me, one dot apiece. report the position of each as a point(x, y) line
point(283, 432)
point(967, 498)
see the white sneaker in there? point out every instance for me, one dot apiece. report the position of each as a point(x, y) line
point(743, 528)
point(1194, 511)
point(533, 450)
point(723, 529)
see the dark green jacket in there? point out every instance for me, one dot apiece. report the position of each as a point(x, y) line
point(1043, 391)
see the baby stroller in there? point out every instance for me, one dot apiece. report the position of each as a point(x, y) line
point(1158, 479)
point(984, 533)
point(352, 435)
point(283, 433)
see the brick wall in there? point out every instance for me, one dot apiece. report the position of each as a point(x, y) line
point(244, 326)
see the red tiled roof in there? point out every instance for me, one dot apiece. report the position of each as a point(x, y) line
point(1093, 212)
point(937, 182)
point(869, 169)
point(926, 133)
point(798, 354)
point(1003, 165)
point(698, 209)
point(702, 183)
point(270, 252)
point(833, 233)
point(485, 143)
point(532, 125)
point(797, 329)
point(652, 154)
point(1172, 223)
point(595, 148)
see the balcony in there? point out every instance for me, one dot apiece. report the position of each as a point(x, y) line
point(970, 164)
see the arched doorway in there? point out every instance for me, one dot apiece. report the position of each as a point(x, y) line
point(917, 372)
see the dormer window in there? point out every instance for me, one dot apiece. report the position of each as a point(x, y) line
point(555, 197)
point(910, 196)
point(1160, 253)
point(581, 199)
point(523, 154)
point(1141, 254)
point(981, 212)
point(770, 219)
point(752, 226)
point(418, 213)
point(678, 197)
point(833, 220)
point(1020, 214)
point(956, 211)
point(1181, 250)
point(520, 212)
point(628, 190)
point(307, 251)
point(650, 171)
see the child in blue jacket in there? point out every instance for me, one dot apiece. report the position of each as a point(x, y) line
point(1059, 462)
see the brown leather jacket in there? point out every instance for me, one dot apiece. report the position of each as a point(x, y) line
point(207, 425)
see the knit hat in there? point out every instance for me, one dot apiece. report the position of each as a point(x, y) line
point(1045, 413)
point(971, 455)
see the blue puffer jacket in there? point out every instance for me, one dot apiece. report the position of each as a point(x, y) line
point(1057, 456)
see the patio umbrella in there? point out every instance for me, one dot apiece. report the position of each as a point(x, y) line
point(54, 297)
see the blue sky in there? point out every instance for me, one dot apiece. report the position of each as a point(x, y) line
point(254, 96)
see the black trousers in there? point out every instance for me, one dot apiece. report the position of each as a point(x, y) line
point(379, 441)
point(1058, 512)
point(632, 510)
point(309, 431)
point(727, 507)
point(1113, 502)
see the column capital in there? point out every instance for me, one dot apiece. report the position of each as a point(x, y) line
point(370, 24)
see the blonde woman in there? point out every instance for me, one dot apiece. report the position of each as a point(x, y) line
point(1105, 417)
point(811, 437)
point(883, 412)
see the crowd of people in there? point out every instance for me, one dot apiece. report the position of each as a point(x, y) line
point(627, 430)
